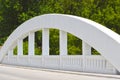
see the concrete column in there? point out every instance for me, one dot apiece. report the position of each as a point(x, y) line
point(63, 43)
point(86, 49)
point(10, 53)
point(45, 42)
point(20, 47)
point(31, 45)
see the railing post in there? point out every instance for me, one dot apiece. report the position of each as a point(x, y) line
point(63, 43)
point(20, 47)
point(45, 42)
point(31, 45)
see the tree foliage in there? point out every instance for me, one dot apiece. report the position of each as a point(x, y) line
point(15, 12)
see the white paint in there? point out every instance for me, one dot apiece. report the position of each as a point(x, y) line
point(31, 43)
point(63, 43)
point(86, 49)
point(20, 47)
point(101, 38)
point(10, 53)
point(45, 42)
point(71, 63)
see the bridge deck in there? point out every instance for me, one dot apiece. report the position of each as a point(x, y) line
point(23, 73)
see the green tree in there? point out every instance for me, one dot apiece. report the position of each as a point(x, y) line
point(54, 42)
point(15, 12)
point(74, 45)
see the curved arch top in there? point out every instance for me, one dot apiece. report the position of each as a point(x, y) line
point(101, 38)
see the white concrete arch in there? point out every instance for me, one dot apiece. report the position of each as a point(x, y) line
point(102, 39)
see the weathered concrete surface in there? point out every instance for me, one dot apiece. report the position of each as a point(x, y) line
point(21, 73)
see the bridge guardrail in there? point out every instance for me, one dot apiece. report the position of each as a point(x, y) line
point(95, 64)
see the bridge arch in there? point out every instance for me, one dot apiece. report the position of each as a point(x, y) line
point(102, 39)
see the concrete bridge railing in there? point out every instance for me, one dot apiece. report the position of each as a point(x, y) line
point(95, 64)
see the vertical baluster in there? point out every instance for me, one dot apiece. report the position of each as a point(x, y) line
point(97, 64)
point(101, 63)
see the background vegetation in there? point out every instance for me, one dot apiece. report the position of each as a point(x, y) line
point(15, 12)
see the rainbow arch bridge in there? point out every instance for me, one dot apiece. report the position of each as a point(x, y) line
point(92, 34)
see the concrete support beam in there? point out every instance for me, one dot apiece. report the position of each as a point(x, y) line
point(86, 49)
point(10, 53)
point(63, 43)
point(31, 45)
point(45, 42)
point(20, 47)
